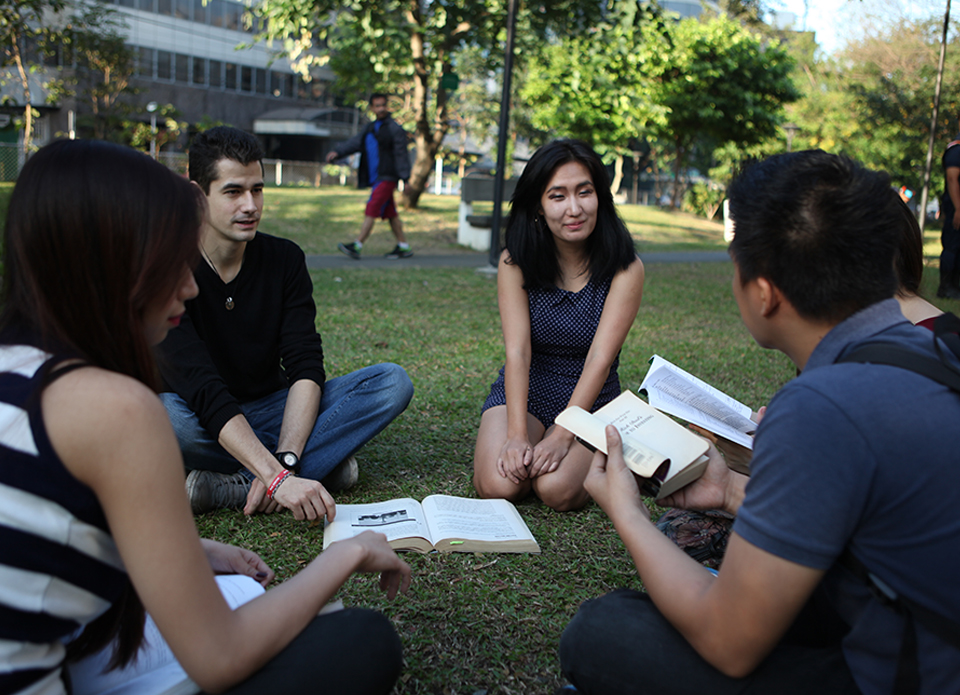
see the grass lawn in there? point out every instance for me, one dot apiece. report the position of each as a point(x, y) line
point(479, 624)
point(319, 218)
point(489, 623)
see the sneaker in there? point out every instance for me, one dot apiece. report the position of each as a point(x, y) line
point(343, 477)
point(209, 491)
point(399, 252)
point(350, 249)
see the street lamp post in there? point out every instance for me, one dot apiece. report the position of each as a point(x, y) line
point(152, 109)
point(791, 129)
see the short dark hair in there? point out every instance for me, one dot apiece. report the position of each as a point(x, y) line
point(908, 260)
point(528, 240)
point(820, 227)
point(221, 142)
point(377, 95)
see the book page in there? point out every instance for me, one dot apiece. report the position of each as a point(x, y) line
point(480, 520)
point(683, 395)
point(400, 518)
point(155, 670)
point(637, 420)
point(589, 428)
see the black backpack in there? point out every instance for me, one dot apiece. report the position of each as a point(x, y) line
point(946, 331)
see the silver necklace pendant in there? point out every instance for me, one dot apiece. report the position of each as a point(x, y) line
point(229, 304)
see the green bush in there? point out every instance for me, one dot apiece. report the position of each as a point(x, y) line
point(704, 199)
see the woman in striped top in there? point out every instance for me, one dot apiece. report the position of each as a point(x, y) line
point(95, 525)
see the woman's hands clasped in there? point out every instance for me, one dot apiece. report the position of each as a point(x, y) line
point(515, 458)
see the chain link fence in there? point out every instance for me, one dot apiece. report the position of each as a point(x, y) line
point(11, 161)
point(276, 172)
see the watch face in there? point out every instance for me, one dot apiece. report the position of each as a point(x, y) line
point(289, 460)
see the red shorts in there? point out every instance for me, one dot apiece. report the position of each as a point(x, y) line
point(381, 201)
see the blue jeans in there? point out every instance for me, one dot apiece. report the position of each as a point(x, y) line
point(354, 408)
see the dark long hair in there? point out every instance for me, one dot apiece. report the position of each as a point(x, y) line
point(95, 232)
point(528, 239)
point(909, 257)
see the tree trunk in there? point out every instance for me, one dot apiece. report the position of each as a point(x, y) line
point(28, 109)
point(677, 175)
point(427, 136)
point(617, 174)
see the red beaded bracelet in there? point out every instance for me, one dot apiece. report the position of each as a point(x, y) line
point(283, 475)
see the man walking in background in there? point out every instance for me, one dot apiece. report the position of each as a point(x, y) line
point(383, 161)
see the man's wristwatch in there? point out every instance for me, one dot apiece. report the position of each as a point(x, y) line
point(289, 460)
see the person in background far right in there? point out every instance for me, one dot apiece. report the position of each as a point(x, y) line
point(950, 216)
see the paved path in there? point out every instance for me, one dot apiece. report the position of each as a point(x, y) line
point(481, 260)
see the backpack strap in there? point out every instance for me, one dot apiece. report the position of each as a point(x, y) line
point(907, 681)
point(946, 328)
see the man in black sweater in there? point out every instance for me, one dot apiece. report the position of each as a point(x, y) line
point(259, 425)
point(383, 161)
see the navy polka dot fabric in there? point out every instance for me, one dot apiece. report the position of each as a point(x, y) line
point(562, 326)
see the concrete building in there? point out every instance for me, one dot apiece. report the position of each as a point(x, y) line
point(188, 54)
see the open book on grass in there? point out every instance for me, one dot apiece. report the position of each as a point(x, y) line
point(663, 452)
point(683, 395)
point(441, 522)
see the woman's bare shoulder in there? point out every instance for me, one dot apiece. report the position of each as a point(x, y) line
point(90, 410)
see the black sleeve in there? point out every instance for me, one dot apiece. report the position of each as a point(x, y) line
point(188, 370)
point(301, 348)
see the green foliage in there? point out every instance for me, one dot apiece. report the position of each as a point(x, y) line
point(105, 64)
point(406, 47)
point(140, 134)
point(26, 23)
point(85, 34)
point(704, 199)
point(720, 84)
point(873, 100)
point(597, 86)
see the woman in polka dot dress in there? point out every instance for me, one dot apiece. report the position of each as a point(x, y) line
point(569, 285)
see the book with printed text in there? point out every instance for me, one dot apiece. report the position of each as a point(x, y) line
point(665, 454)
point(441, 522)
point(672, 390)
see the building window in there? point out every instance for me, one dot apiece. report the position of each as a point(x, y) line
point(183, 9)
point(145, 63)
point(165, 7)
point(182, 64)
point(199, 71)
point(127, 3)
point(164, 65)
point(231, 76)
point(146, 5)
point(200, 14)
point(216, 73)
point(260, 78)
point(232, 16)
point(290, 86)
point(246, 78)
point(216, 12)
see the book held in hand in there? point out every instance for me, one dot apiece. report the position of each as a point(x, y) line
point(442, 522)
point(665, 454)
point(678, 393)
